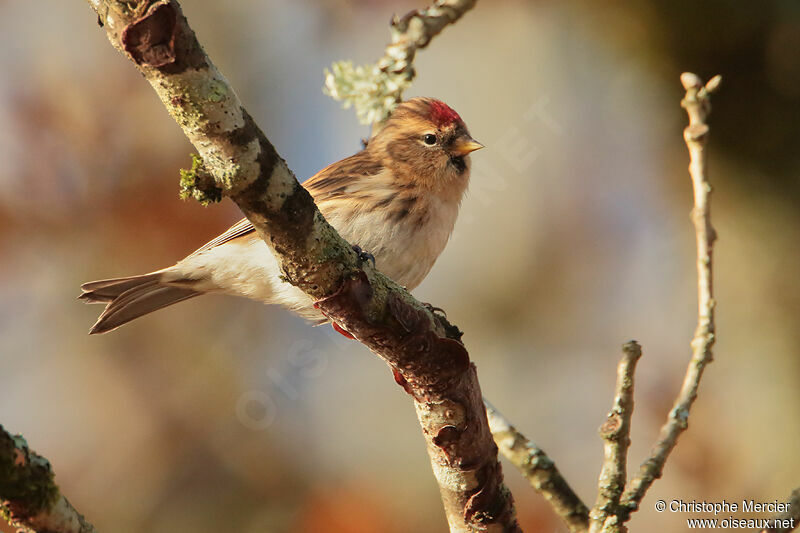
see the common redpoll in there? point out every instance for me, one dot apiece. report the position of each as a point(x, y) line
point(397, 199)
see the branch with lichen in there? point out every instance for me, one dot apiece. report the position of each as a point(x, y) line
point(374, 90)
point(198, 183)
point(423, 350)
point(615, 433)
point(29, 498)
point(542, 473)
point(698, 106)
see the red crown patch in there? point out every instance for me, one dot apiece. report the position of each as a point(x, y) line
point(442, 114)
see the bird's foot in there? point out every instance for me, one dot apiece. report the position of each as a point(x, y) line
point(434, 309)
point(341, 330)
point(363, 256)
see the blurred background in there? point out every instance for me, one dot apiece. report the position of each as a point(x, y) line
point(222, 414)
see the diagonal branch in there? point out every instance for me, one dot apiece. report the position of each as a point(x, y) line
point(29, 498)
point(698, 107)
point(615, 432)
point(423, 350)
point(374, 90)
point(539, 470)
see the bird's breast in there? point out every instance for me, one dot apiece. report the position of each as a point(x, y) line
point(405, 235)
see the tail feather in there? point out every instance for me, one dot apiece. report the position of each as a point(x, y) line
point(130, 298)
point(106, 290)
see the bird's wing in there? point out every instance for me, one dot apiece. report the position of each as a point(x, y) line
point(340, 178)
point(241, 228)
point(330, 182)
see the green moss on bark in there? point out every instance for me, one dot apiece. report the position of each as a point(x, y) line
point(26, 479)
point(198, 183)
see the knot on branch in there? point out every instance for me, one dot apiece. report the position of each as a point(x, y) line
point(695, 132)
point(698, 105)
point(446, 438)
point(150, 39)
point(610, 429)
point(399, 25)
point(198, 183)
point(485, 507)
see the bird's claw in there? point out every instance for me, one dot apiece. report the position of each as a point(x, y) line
point(434, 309)
point(363, 256)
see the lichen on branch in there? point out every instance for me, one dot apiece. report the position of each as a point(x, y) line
point(26, 480)
point(29, 497)
point(198, 183)
point(374, 90)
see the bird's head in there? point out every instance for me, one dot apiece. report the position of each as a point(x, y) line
point(425, 142)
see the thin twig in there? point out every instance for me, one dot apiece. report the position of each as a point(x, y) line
point(29, 498)
point(615, 432)
point(374, 90)
point(539, 470)
point(697, 105)
point(789, 520)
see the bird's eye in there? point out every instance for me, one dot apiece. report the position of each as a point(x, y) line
point(429, 139)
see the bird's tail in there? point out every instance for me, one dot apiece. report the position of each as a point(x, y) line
point(130, 298)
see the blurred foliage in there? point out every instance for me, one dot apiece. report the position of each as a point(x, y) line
point(753, 45)
point(573, 238)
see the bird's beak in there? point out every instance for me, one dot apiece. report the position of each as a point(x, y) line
point(465, 145)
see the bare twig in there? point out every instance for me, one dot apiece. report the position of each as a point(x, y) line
point(29, 498)
point(615, 432)
point(539, 470)
point(423, 350)
point(697, 105)
point(789, 520)
point(376, 89)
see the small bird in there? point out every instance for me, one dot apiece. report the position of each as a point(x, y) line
point(397, 199)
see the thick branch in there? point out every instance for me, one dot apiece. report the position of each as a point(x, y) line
point(539, 470)
point(790, 520)
point(29, 498)
point(615, 432)
point(376, 89)
point(423, 350)
point(698, 107)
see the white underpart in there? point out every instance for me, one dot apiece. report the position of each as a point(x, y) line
point(403, 250)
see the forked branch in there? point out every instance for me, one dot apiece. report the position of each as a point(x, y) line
point(617, 499)
point(698, 106)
